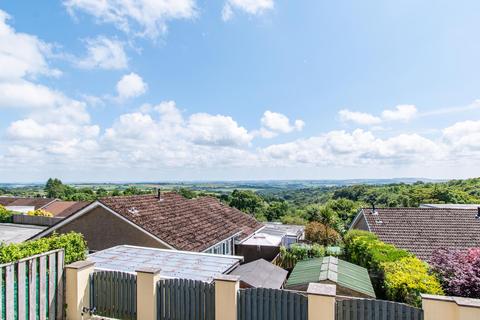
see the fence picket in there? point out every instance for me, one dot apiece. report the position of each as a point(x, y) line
point(9, 292)
point(1, 291)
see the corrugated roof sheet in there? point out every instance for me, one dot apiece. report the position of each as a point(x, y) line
point(343, 273)
point(173, 263)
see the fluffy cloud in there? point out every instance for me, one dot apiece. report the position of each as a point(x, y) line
point(400, 113)
point(352, 149)
point(252, 7)
point(404, 112)
point(358, 117)
point(274, 123)
point(131, 86)
point(141, 17)
point(104, 53)
point(22, 55)
point(463, 136)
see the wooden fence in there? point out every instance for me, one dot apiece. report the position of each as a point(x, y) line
point(35, 220)
point(113, 294)
point(32, 288)
point(181, 299)
point(271, 304)
point(359, 309)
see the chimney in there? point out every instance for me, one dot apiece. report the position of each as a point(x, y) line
point(374, 211)
point(478, 213)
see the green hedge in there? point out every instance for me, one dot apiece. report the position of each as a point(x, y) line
point(399, 275)
point(5, 215)
point(73, 243)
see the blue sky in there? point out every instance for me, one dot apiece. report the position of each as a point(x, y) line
point(131, 90)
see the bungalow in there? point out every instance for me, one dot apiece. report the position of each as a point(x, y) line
point(165, 220)
point(422, 230)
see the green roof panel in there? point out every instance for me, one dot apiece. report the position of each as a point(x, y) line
point(343, 273)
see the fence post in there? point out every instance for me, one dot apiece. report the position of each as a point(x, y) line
point(147, 293)
point(321, 301)
point(77, 290)
point(226, 288)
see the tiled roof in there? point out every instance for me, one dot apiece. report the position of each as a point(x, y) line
point(422, 230)
point(25, 202)
point(186, 224)
point(62, 209)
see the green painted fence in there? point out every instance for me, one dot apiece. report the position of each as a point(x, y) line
point(365, 309)
point(113, 294)
point(32, 288)
point(271, 304)
point(182, 299)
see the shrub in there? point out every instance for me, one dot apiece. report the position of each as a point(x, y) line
point(398, 274)
point(73, 243)
point(320, 233)
point(39, 213)
point(406, 278)
point(458, 271)
point(5, 215)
point(298, 252)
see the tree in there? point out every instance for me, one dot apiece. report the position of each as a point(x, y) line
point(247, 201)
point(276, 210)
point(54, 188)
point(319, 233)
point(458, 270)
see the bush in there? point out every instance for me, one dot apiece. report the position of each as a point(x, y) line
point(73, 243)
point(398, 274)
point(298, 252)
point(364, 248)
point(39, 213)
point(5, 215)
point(459, 271)
point(406, 278)
point(320, 233)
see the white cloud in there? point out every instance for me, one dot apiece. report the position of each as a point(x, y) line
point(403, 112)
point(463, 136)
point(140, 17)
point(104, 53)
point(358, 117)
point(279, 123)
point(131, 86)
point(22, 55)
point(216, 130)
point(252, 7)
point(341, 148)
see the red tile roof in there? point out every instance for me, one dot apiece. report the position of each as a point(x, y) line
point(62, 209)
point(423, 230)
point(25, 202)
point(186, 224)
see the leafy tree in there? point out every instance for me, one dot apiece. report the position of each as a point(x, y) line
point(187, 193)
point(458, 271)
point(276, 210)
point(247, 201)
point(5, 215)
point(54, 188)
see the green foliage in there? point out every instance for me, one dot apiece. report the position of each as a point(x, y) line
point(73, 243)
point(187, 193)
point(5, 215)
point(299, 252)
point(247, 201)
point(364, 248)
point(407, 278)
point(291, 219)
point(403, 277)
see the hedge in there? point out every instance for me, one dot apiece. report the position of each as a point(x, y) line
point(406, 278)
point(400, 275)
point(73, 243)
point(5, 215)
